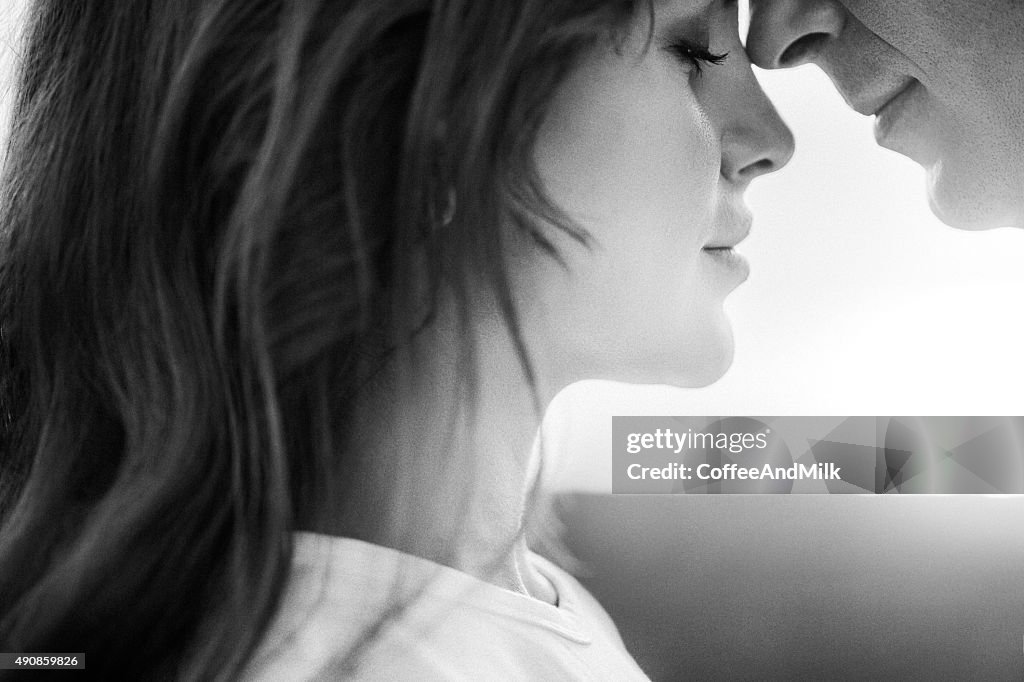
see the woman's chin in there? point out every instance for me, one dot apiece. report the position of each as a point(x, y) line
point(701, 361)
point(703, 372)
point(695, 363)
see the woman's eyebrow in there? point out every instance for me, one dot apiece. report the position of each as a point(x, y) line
point(692, 6)
point(694, 18)
point(695, 24)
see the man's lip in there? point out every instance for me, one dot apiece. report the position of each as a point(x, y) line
point(873, 105)
point(905, 89)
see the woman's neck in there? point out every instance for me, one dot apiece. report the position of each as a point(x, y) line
point(461, 467)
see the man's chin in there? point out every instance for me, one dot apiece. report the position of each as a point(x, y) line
point(965, 203)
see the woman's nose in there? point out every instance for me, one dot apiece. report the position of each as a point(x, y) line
point(785, 33)
point(755, 139)
point(757, 143)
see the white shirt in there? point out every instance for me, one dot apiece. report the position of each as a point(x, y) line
point(453, 626)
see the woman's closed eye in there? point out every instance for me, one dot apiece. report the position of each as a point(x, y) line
point(696, 57)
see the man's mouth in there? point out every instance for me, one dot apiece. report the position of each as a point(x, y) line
point(880, 111)
point(868, 104)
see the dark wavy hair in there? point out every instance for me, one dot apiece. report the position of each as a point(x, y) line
point(214, 217)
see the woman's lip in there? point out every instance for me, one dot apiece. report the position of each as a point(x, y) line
point(728, 239)
point(729, 258)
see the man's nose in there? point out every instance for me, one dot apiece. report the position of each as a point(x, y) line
point(785, 33)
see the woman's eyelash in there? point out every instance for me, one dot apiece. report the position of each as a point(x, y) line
point(697, 57)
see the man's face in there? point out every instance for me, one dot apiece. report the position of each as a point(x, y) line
point(944, 78)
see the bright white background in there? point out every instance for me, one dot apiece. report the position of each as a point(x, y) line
point(859, 301)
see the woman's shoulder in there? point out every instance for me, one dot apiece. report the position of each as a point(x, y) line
point(358, 610)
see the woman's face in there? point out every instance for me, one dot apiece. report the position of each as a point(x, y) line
point(650, 152)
